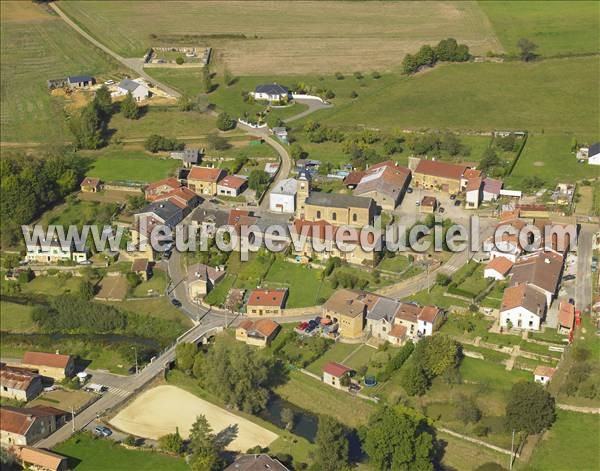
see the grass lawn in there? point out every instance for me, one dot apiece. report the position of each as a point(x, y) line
point(315, 396)
point(467, 456)
point(550, 25)
point(154, 307)
point(473, 283)
point(397, 264)
point(16, 317)
point(128, 165)
point(78, 212)
point(549, 157)
point(571, 443)
point(518, 98)
point(337, 352)
point(363, 355)
point(52, 285)
point(166, 121)
point(305, 285)
point(157, 284)
point(482, 371)
point(37, 45)
point(494, 298)
point(87, 453)
point(437, 296)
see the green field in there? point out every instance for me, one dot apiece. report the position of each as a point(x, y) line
point(16, 317)
point(115, 164)
point(87, 453)
point(52, 285)
point(571, 443)
point(549, 157)
point(552, 95)
point(260, 37)
point(78, 212)
point(36, 46)
point(557, 27)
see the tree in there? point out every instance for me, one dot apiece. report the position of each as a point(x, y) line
point(409, 64)
point(205, 80)
point(527, 49)
point(414, 380)
point(10, 261)
point(217, 142)
point(287, 417)
point(185, 103)
point(86, 289)
point(297, 152)
point(490, 159)
point(437, 353)
point(426, 56)
point(442, 279)
point(467, 410)
point(155, 143)
point(179, 60)
point(332, 444)
point(201, 435)
point(185, 354)
point(530, 408)
point(397, 441)
point(129, 107)
point(103, 101)
point(225, 122)
point(227, 76)
point(87, 128)
point(257, 180)
point(171, 443)
point(197, 368)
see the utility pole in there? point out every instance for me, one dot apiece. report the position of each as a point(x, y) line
point(134, 348)
point(512, 444)
point(72, 420)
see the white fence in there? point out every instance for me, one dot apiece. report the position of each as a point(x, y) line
point(307, 97)
point(254, 126)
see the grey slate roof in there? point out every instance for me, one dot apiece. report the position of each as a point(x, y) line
point(337, 200)
point(594, 149)
point(272, 89)
point(165, 210)
point(128, 85)
point(79, 78)
point(384, 308)
point(187, 155)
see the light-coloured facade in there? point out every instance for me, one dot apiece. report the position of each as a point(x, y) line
point(282, 198)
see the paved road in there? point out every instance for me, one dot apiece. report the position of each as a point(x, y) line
point(131, 63)
point(583, 283)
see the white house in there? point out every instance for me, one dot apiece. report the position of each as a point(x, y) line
point(543, 374)
point(271, 92)
point(473, 193)
point(429, 320)
point(594, 154)
point(55, 251)
point(491, 189)
point(542, 270)
point(333, 374)
point(523, 307)
point(504, 248)
point(138, 90)
point(498, 268)
point(282, 198)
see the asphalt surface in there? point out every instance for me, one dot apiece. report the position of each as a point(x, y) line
point(583, 283)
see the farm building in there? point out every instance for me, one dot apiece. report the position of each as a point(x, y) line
point(37, 458)
point(19, 383)
point(594, 154)
point(204, 180)
point(52, 365)
point(441, 175)
point(23, 426)
point(188, 157)
point(491, 189)
point(90, 185)
point(80, 81)
point(385, 182)
point(428, 204)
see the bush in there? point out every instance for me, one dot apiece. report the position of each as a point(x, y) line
point(353, 94)
point(375, 74)
point(225, 122)
point(358, 75)
point(481, 430)
point(179, 60)
point(130, 440)
point(329, 95)
point(339, 76)
point(156, 143)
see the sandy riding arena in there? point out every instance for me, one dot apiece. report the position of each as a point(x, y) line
point(160, 410)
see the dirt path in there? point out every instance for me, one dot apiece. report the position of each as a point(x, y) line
point(583, 410)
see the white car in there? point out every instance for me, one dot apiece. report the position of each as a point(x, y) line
point(85, 262)
point(109, 82)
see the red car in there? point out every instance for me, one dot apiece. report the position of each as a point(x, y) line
point(302, 326)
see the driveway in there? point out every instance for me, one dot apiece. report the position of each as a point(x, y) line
point(313, 105)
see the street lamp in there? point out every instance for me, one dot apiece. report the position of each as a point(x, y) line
point(134, 348)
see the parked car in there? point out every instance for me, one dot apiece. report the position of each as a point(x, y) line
point(452, 197)
point(109, 82)
point(318, 320)
point(569, 277)
point(417, 203)
point(457, 203)
point(409, 190)
point(441, 210)
point(102, 431)
point(85, 262)
point(167, 255)
point(572, 301)
point(176, 302)
point(302, 326)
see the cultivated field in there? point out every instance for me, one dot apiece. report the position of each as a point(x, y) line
point(164, 408)
point(557, 27)
point(36, 46)
point(112, 288)
point(264, 37)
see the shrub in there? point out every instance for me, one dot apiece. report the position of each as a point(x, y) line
point(179, 60)
point(375, 74)
point(358, 75)
point(339, 76)
point(353, 94)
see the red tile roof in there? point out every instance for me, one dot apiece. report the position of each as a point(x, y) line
point(543, 370)
point(233, 181)
point(526, 296)
point(353, 178)
point(472, 173)
point(436, 168)
point(268, 297)
point(206, 174)
point(53, 360)
point(336, 369)
point(501, 264)
point(429, 201)
point(428, 314)
point(17, 378)
point(19, 419)
point(40, 458)
point(473, 184)
point(398, 331)
point(566, 314)
point(139, 264)
point(171, 182)
point(265, 327)
point(90, 181)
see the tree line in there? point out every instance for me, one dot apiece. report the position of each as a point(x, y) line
point(447, 50)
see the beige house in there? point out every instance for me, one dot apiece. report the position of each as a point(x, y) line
point(337, 375)
point(19, 383)
point(43, 460)
point(202, 279)
point(90, 185)
point(52, 365)
point(347, 309)
point(339, 209)
point(439, 175)
point(258, 333)
point(267, 302)
point(141, 267)
point(23, 426)
point(204, 180)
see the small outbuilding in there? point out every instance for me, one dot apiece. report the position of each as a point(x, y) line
point(543, 374)
point(91, 185)
point(141, 267)
point(80, 81)
point(337, 375)
point(429, 204)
